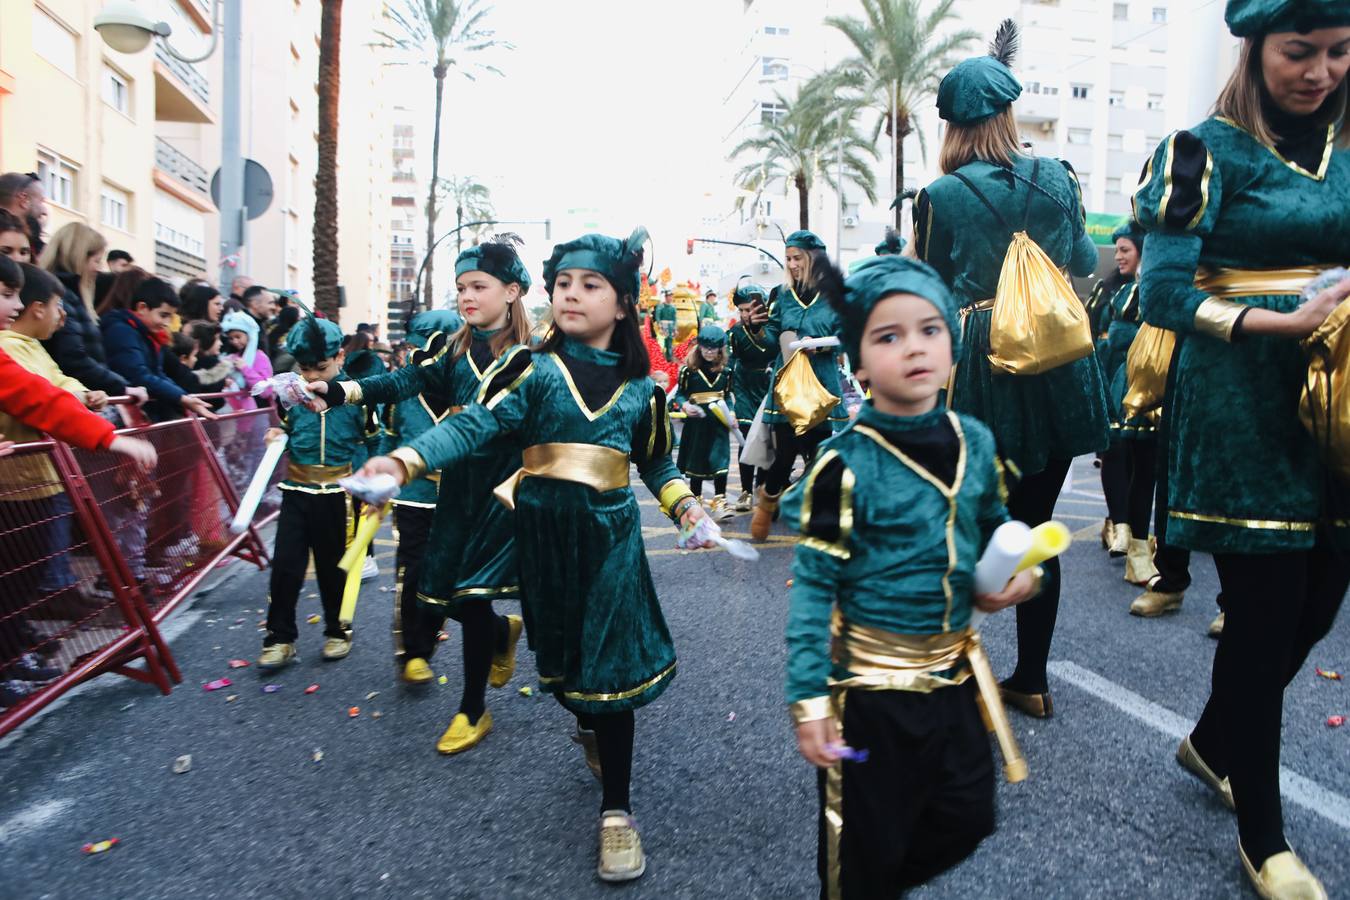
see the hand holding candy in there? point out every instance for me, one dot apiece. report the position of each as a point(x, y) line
point(814, 740)
point(290, 389)
point(704, 532)
point(375, 490)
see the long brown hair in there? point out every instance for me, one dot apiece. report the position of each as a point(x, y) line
point(994, 140)
point(694, 359)
point(1240, 99)
point(69, 251)
point(123, 287)
point(517, 331)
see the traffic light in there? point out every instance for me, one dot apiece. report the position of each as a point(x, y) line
point(689, 247)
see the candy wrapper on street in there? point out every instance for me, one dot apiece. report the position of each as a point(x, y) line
point(375, 491)
point(289, 387)
point(707, 531)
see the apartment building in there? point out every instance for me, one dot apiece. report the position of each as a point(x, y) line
point(406, 217)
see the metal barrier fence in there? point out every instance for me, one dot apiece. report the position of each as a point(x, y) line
point(95, 553)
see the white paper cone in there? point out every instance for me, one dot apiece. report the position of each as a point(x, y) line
point(1009, 544)
point(258, 486)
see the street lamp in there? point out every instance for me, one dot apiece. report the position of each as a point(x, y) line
point(126, 29)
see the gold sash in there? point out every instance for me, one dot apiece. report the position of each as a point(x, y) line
point(318, 476)
point(704, 397)
point(602, 468)
point(884, 660)
point(1229, 283)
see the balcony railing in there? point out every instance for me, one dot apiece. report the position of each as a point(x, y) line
point(185, 72)
point(172, 160)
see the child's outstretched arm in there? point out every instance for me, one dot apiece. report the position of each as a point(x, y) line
point(430, 371)
point(652, 440)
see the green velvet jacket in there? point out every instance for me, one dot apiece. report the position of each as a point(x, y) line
point(883, 540)
point(811, 318)
point(334, 437)
point(1060, 413)
point(751, 357)
point(1244, 476)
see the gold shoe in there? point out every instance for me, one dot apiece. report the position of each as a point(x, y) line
point(461, 736)
point(1139, 562)
point(586, 739)
point(504, 663)
point(719, 509)
point(1108, 529)
point(621, 856)
point(417, 671)
point(337, 648)
point(1038, 706)
point(1190, 760)
point(1216, 627)
point(743, 502)
point(274, 656)
point(1152, 603)
point(1120, 539)
point(1283, 877)
point(761, 520)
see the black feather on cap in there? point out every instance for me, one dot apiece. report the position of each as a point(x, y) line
point(1004, 45)
point(830, 282)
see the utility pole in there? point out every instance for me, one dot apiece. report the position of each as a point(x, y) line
point(232, 219)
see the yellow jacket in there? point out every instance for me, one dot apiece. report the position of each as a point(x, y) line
point(32, 469)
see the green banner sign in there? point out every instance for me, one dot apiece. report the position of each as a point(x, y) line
point(1100, 226)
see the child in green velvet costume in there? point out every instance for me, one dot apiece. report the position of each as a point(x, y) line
point(751, 357)
point(705, 444)
point(894, 514)
point(582, 406)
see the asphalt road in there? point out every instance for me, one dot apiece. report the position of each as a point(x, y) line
point(726, 806)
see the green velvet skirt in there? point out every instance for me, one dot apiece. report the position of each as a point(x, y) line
point(471, 551)
point(1060, 413)
point(1244, 474)
point(748, 389)
point(705, 448)
point(1132, 428)
point(600, 642)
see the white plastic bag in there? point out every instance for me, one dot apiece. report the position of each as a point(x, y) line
point(758, 450)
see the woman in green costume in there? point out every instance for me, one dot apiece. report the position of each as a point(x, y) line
point(471, 557)
point(1041, 422)
point(796, 313)
point(751, 357)
point(583, 407)
point(705, 443)
point(1242, 211)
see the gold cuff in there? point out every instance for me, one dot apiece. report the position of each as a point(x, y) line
point(672, 492)
point(812, 709)
point(352, 391)
point(1037, 580)
point(1216, 318)
point(412, 462)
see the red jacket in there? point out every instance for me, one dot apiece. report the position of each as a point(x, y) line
point(42, 405)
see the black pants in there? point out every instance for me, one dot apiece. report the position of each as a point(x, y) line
point(921, 802)
point(787, 447)
point(307, 522)
point(1277, 606)
point(415, 627)
point(719, 485)
point(747, 472)
point(1116, 482)
point(1173, 563)
point(1142, 457)
point(1033, 501)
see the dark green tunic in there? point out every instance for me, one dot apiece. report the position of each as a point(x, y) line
point(751, 357)
point(1060, 413)
point(705, 444)
point(1122, 326)
point(1244, 475)
point(808, 318)
point(601, 643)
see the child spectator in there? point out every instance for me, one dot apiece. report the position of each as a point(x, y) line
point(134, 338)
point(14, 241)
point(242, 332)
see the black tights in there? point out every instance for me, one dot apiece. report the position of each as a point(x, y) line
point(485, 633)
point(614, 740)
point(1033, 502)
point(1143, 455)
point(1116, 481)
point(719, 484)
point(1277, 606)
point(787, 446)
point(747, 472)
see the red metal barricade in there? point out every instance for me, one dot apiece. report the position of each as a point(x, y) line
point(95, 554)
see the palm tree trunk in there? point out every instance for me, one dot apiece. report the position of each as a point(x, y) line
point(803, 203)
point(427, 293)
point(325, 185)
point(900, 180)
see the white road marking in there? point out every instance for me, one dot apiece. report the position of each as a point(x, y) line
point(32, 817)
point(1296, 789)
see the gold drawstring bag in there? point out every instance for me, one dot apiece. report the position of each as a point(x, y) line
point(800, 395)
point(1146, 368)
point(1038, 322)
point(1325, 405)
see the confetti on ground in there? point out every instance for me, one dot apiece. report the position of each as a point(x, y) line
point(314, 619)
point(217, 684)
point(311, 689)
point(385, 590)
point(442, 636)
point(182, 764)
point(270, 688)
point(318, 755)
point(731, 717)
point(1329, 675)
point(261, 611)
point(789, 582)
point(129, 706)
point(527, 691)
point(1335, 721)
point(442, 680)
point(238, 663)
point(239, 621)
point(353, 712)
point(231, 698)
point(215, 648)
point(100, 846)
point(376, 714)
point(372, 695)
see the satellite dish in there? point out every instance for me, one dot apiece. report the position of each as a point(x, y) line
point(258, 191)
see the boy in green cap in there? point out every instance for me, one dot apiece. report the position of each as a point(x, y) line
point(893, 515)
point(751, 356)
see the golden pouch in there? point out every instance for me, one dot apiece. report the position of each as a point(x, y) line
point(800, 395)
point(1325, 405)
point(1038, 321)
point(1146, 368)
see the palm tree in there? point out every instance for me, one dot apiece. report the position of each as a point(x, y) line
point(813, 139)
point(900, 57)
point(448, 33)
point(472, 202)
point(325, 182)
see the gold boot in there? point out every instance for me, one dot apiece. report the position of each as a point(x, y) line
point(1120, 539)
point(1153, 603)
point(1283, 877)
point(417, 671)
point(761, 520)
point(1038, 706)
point(504, 663)
point(1108, 529)
point(1191, 762)
point(1216, 627)
point(743, 502)
point(719, 509)
point(1139, 562)
point(461, 736)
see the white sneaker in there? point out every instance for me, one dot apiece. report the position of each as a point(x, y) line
point(370, 569)
point(621, 856)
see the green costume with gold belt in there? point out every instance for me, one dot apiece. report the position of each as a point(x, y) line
point(705, 443)
point(1244, 475)
point(751, 357)
point(1122, 327)
point(601, 643)
point(1061, 413)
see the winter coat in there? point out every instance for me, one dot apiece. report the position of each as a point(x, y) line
point(78, 347)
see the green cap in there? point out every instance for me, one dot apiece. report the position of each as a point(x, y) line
point(804, 240)
point(746, 291)
point(712, 336)
point(1131, 230)
point(618, 260)
point(497, 258)
point(894, 244)
point(423, 325)
point(313, 341)
point(1253, 18)
point(877, 277)
point(975, 90)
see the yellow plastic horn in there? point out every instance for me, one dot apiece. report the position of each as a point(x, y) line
point(1048, 540)
point(353, 559)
